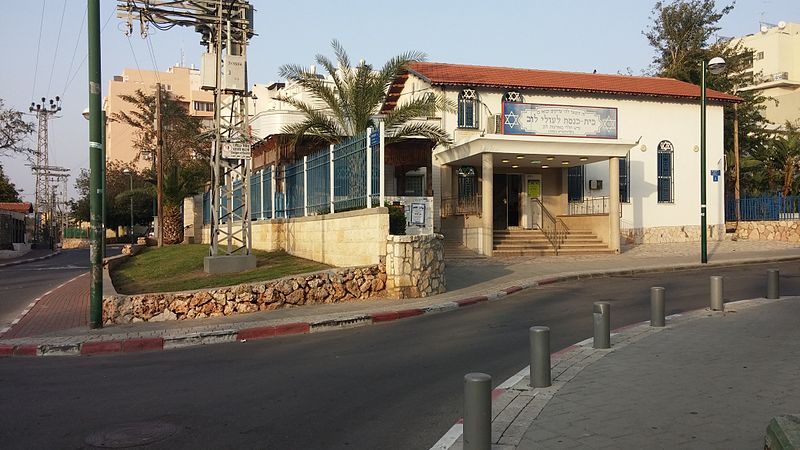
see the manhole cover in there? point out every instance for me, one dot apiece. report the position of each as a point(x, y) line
point(131, 434)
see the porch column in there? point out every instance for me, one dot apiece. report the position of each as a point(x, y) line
point(613, 204)
point(487, 193)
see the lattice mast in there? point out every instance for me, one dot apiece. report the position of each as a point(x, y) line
point(226, 27)
point(43, 208)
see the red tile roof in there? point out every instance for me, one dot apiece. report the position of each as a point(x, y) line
point(18, 207)
point(549, 80)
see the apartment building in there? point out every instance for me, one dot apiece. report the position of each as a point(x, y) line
point(181, 82)
point(776, 68)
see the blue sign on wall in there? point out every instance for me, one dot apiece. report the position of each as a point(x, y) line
point(715, 174)
point(559, 120)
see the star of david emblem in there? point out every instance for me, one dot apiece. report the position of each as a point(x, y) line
point(511, 119)
point(608, 123)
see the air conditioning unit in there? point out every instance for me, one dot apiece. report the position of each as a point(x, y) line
point(595, 185)
point(494, 124)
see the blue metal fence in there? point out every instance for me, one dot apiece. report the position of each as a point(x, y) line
point(313, 175)
point(775, 207)
point(318, 166)
point(350, 174)
point(295, 192)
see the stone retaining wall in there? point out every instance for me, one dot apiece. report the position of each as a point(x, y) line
point(415, 266)
point(660, 235)
point(75, 243)
point(331, 286)
point(779, 230)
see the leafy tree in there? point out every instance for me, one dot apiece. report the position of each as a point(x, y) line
point(354, 99)
point(13, 130)
point(186, 152)
point(8, 192)
point(79, 209)
point(683, 35)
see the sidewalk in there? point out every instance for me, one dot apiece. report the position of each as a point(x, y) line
point(469, 282)
point(35, 254)
point(707, 380)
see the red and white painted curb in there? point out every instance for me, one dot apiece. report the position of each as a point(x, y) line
point(128, 345)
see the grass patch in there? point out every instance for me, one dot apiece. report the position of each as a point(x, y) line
point(180, 268)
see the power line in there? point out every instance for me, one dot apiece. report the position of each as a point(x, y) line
point(78, 69)
point(153, 58)
point(75, 50)
point(58, 43)
point(133, 53)
point(38, 46)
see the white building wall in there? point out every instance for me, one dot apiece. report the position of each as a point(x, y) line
point(649, 120)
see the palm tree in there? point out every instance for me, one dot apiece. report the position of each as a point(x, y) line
point(355, 97)
point(185, 153)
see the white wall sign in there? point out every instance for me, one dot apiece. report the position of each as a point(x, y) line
point(235, 150)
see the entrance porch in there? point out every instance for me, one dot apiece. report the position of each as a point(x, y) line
point(497, 186)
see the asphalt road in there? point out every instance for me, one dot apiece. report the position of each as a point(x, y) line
point(394, 385)
point(23, 283)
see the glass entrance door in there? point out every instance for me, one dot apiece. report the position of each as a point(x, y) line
point(506, 189)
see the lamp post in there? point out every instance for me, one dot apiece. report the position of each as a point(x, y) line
point(715, 66)
point(130, 176)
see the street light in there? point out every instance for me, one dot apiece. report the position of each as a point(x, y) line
point(130, 175)
point(715, 66)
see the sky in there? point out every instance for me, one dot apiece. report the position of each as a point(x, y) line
point(568, 35)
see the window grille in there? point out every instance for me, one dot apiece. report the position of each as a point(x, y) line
point(468, 109)
point(665, 170)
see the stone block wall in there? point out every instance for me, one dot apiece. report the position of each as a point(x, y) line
point(415, 266)
point(660, 235)
point(779, 230)
point(331, 286)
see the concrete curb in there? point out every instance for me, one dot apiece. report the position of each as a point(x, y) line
point(23, 261)
point(130, 345)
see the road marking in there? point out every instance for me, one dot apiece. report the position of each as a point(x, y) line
point(36, 300)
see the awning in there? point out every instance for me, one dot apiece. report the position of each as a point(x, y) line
point(534, 151)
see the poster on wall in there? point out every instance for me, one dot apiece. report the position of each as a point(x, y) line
point(418, 214)
point(535, 119)
point(534, 188)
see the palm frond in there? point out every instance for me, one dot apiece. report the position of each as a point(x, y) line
point(419, 129)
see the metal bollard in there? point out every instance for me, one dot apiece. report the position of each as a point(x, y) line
point(717, 303)
point(540, 357)
point(773, 283)
point(602, 325)
point(477, 411)
point(657, 306)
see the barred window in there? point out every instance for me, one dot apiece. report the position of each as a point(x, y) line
point(624, 179)
point(575, 177)
point(468, 109)
point(467, 182)
point(665, 171)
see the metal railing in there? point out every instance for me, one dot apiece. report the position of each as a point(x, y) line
point(588, 206)
point(461, 206)
point(775, 207)
point(554, 229)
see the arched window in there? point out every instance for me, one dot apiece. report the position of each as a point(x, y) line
point(468, 109)
point(664, 157)
point(512, 96)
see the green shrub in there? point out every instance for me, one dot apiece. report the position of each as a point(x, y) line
point(397, 220)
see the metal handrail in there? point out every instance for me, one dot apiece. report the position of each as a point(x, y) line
point(554, 229)
point(461, 206)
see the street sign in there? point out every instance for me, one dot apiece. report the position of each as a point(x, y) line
point(236, 150)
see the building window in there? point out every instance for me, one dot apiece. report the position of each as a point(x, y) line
point(512, 96)
point(468, 109)
point(665, 151)
point(414, 185)
point(624, 179)
point(575, 183)
point(203, 106)
point(467, 183)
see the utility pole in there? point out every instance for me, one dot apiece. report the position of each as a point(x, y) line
point(43, 208)
point(226, 28)
point(96, 187)
point(159, 169)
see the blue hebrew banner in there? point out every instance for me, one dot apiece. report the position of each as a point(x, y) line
point(559, 120)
